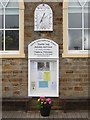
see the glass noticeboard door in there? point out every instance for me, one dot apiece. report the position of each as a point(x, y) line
point(43, 77)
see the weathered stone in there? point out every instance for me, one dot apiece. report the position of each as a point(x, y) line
point(6, 89)
point(78, 88)
point(16, 93)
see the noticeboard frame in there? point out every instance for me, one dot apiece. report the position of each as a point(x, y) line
point(45, 86)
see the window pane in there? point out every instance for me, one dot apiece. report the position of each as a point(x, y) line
point(75, 10)
point(82, 2)
point(12, 21)
point(11, 11)
point(1, 21)
point(75, 20)
point(75, 39)
point(1, 40)
point(73, 3)
point(87, 20)
point(87, 40)
point(1, 11)
point(12, 40)
point(86, 10)
point(0, 5)
point(4, 2)
point(87, 4)
point(13, 3)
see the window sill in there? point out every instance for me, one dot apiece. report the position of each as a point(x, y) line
point(75, 55)
point(12, 56)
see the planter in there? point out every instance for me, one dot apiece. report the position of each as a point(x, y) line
point(45, 111)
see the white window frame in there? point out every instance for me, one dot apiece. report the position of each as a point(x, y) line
point(16, 53)
point(66, 51)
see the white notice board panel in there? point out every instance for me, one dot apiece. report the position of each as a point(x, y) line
point(43, 71)
point(43, 48)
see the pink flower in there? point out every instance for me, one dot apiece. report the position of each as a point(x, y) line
point(49, 102)
point(48, 99)
point(45, 103)
point(42, 97)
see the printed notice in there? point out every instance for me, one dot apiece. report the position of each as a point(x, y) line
point(33, 65)
point(40, 75)
point(33, 85)
point(43, 84)
point(53, 85)
point(33, 75)
point(47, 75)
point(53, 66)
point(43, 66)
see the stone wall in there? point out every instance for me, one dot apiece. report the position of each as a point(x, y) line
point(73, 72)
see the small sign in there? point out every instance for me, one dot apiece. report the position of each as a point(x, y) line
point(43, 48)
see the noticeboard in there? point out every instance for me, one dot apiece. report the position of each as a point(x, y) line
point(43, 68)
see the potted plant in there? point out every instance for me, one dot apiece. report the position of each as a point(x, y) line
point(44, 105)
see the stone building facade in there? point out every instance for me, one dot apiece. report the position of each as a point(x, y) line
point(73, 72)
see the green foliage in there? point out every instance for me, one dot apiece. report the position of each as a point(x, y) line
point(42, 102)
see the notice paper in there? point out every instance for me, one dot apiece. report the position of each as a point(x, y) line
point(40, 75)
point(53, 85)
point(33, 65)
point(47, 75)
point(33, 85)
point(43, 84)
